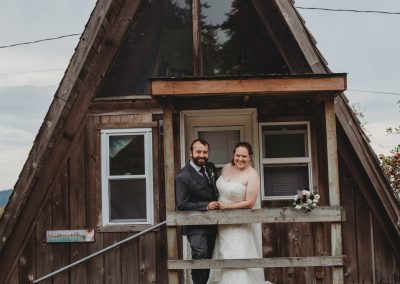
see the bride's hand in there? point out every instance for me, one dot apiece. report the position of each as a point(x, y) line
point(222, 206)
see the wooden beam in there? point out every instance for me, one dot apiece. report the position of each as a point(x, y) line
point(333, 182)
point(172, 241)
point(259, 262)
point(333, 83)
point(249, 216)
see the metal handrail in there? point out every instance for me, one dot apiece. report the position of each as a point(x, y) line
point(98, 253)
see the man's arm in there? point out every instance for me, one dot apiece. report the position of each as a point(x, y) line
point(182, 192)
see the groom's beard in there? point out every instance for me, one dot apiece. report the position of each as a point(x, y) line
point(200, 161)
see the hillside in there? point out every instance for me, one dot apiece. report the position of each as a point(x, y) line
point(4, 195)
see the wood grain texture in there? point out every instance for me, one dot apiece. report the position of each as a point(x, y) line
point(261, 262)
point(294, 85)
point(246, 216)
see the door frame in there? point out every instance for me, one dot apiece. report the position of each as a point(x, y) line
point(220, 113)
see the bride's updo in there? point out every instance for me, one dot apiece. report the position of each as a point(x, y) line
point(248, 148)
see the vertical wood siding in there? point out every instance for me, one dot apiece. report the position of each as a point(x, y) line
point(75, 203)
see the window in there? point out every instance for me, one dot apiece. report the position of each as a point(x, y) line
point(127, 186)
point(222, 140)
point(285, 159)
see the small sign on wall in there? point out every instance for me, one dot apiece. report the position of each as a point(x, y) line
point(70, 236)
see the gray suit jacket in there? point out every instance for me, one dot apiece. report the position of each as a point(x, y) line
point(193, 192)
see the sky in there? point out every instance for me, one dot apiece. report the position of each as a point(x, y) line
point(364, 45)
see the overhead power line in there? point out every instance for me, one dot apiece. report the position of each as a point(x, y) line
point(374, 92)
point(349, 10)
point(33, 71)
point(39, 40)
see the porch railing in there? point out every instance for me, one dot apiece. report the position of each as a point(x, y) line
point(323, 214)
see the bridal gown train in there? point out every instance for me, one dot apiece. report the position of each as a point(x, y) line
point(236, 241)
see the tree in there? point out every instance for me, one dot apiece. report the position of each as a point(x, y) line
point(391, 163)
point(1, 211)
point(391, 167)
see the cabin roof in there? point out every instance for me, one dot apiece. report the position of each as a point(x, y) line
point(96, 51)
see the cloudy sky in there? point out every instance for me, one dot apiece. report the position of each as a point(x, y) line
point(364, 45)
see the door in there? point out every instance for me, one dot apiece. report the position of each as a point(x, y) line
point(222, 129)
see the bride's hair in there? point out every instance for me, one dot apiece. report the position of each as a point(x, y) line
point(248, 148)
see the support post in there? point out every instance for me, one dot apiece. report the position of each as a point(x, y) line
point(333, 179)
point(173, 276)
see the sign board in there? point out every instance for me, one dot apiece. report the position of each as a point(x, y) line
point(70, 236)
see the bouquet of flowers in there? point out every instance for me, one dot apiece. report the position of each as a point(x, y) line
point(305, 200)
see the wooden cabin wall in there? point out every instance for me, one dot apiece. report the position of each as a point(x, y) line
point(370, 257)
point(299, 239)
point(74, 202)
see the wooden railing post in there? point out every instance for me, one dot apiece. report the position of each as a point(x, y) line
point(333, 179)
point(173, 276)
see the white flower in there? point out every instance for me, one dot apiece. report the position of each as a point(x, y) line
point(309, 201)
point(296, 197)
point(298, 207)
point(317, 197)
point(314, 205)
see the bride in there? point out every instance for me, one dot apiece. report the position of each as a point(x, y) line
point(238, 186)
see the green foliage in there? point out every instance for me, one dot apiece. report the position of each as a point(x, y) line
point(395, 129)
point(1, 211)
point(391, 167)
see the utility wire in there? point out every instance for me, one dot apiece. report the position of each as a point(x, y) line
point(374, 92)
point(349, 10)
point(298, 7)
point(33, 71)
point(39, 40)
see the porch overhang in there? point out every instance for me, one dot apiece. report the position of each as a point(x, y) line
point(186, 87)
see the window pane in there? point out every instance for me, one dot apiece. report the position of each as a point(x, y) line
point(221, 144)
point(285, 141)
point(285, 180)
point(126, 154)
point(159, 44)
point(128, 200)
point(235, 41)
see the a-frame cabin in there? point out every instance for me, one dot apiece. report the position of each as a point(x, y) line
point(146, 78)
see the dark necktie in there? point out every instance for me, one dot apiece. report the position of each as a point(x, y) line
point(203, 173)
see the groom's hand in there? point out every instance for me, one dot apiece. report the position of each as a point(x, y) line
point(213, 205)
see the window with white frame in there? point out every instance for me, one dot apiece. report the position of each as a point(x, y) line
point(285, 159)
point(127, 186)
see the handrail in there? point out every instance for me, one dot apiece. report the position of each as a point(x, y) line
point(98, 253)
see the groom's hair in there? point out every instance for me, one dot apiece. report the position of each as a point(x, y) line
point(202, 141)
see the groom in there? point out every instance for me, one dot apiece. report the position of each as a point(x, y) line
point(195, 189)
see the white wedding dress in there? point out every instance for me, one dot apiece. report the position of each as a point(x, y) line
point(236, 241)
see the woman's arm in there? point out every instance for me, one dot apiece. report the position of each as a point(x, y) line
point(252, 191)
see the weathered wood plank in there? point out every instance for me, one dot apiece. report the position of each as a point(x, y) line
point(130, 260)
point(172, 241)
point(292, 85)
point(263, 215)
point(93, 189)
point(260, 262)
point(112, 260)
point(300, 34)
point(333, 182)
point(147, 258)
point(60, 213)
point(197, 54)
point(77, 205)
point(44, 253)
